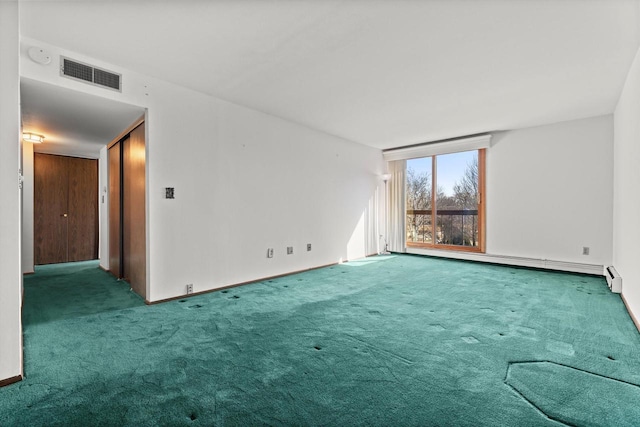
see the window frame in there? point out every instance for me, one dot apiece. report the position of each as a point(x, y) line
point(481, 248)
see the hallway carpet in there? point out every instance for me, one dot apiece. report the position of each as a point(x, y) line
point(388, 340)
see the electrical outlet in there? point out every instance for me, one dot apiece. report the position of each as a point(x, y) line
point(189, 288)
point(289, 250)
point(585, 250)
point(270, 253)
point(308, 247)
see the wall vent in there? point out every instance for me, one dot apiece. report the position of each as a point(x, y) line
point(90, 74)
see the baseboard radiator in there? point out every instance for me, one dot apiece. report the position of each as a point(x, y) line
point(546, 264)
point(613, 279)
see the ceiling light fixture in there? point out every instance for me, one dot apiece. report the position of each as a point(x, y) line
point(33, 137)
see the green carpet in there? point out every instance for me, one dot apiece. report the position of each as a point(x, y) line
point(390, 340)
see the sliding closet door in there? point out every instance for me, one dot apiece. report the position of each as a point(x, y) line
point(82, 221)
point(50, 208)
point(133, 212)
point(115, 226)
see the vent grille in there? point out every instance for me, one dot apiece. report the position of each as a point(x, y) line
point(78, 71)
point(89, 74)
point(105, 78)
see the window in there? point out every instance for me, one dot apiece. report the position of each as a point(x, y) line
point(444, 201)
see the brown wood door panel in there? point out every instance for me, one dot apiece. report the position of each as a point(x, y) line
point(83, 209)
point(134, 211)
point(50, 206)
point(115, 236)
point(65, 209)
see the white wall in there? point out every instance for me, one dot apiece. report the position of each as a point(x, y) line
point(27, 208)
point(549, 194)
point(10, 263)
point(626, 201)
point(549, 191)
point(103, 208)
point(244, 181)
point(253, 182)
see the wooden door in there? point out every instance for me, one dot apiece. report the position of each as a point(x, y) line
point(50, 201)
point(115, 233)
point(82, 220)
point(134, 253)
point(65, 209)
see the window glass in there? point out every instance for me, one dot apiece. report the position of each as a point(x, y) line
point(448, 216)
point(457, 199)
point(419, 199)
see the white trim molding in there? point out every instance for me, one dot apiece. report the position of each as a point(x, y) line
point(573, 267)
point(435, 148)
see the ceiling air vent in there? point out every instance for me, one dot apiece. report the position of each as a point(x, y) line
point(90, 74)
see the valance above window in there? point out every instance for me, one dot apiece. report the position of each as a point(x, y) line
point(435, 148)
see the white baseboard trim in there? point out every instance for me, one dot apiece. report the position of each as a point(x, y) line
point(573, 267)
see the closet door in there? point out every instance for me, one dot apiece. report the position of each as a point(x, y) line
point(115, 206)
point(50, 208)
point(127, 210)
point(82, 221)
point(133, 211)
point(65, 209)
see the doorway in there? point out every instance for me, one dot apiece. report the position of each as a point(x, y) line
point(77, 126)
point(74, 124)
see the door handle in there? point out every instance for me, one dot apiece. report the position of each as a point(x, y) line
point(64, 215)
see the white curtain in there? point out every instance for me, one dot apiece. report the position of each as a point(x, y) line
point(395, 202)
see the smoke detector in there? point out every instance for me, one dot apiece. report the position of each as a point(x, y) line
point(39, 55)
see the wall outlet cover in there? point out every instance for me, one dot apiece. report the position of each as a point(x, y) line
point(270, 253)
point(308, 247)
point(189, 288)
point(289, 250)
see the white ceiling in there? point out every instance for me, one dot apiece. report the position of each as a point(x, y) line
point(382, 73)
point(74, 123)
